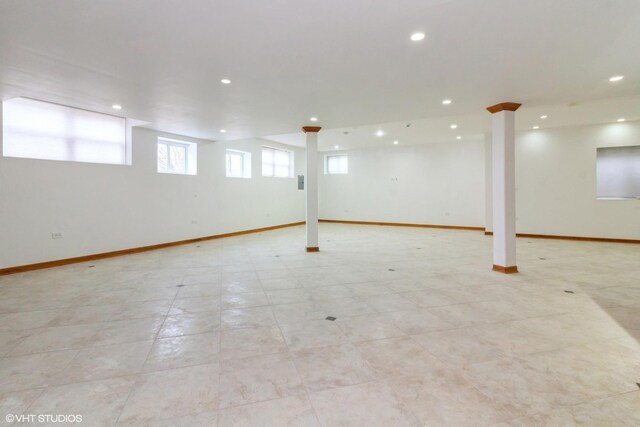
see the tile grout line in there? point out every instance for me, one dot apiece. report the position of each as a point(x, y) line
point(137, 377)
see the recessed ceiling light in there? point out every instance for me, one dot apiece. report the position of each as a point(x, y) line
point(458, 137)
point(314, 119)
point(616, 78)
point(536, 127)
point(454, 126)
point(223, 131)
point(336, 146)
point(395, 142)
point(416, 37)
point(621, 120)
point(446, 101)
point(225, 81)
point(116, 107)
point(380, 133)
point(543, 117)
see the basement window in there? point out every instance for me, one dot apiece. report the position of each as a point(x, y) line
point(277, 163)
point(177, 157)
point(336, 164)
point(41, 130)
point(618, 172)
point(238, 164)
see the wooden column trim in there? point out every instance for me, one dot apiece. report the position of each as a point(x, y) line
point(313, 249)
point(307, 129)
point(505, 270)
point(503, 106)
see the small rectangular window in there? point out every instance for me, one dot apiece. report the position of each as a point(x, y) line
point(336, 164)
point(238, 164)
point(618, 172)
point(277, 163)
point(177, 157)
point(42, 130)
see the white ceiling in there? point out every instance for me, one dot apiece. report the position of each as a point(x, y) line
point(350, 63)
point(470, 127)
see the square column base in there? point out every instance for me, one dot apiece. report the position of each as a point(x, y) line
point(313, 249)
point(506, 270)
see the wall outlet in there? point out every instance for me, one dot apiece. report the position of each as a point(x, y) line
point(56, 235)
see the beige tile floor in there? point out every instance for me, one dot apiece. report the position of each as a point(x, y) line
point(232, 332)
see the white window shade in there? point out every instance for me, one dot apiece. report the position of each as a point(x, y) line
point(238, 164)
point(277, 163)
point(267, 161)
point(338, 164)
point(41, 130)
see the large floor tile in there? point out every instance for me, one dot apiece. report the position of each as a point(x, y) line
point(257, 379)
point(313, 333)
point(174, 393)
point(105, 362)
point(34, 370)
point(367, 405)
point(295, 411)
point(237, 343)
point(190, 324)
point(334, 366)
point(442, 397)
point(248, 318)
point(188, 350)
point(99, 403)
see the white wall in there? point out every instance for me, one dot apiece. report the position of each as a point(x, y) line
point(420, 184)
point(444, 184)
point(556, 183)
point(101, 208)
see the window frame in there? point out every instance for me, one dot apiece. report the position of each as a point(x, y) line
point(291, 156)
point(190, 155)
point(246, 163)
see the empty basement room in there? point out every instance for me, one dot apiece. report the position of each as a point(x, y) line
point(329, 213)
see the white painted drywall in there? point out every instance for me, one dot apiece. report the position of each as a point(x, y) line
point(419, 184)
point(101, 208)
point(444, 184)
point(556, 183)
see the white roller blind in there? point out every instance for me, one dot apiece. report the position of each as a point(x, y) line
point(41, 130)
point(238, 164)
point(277, 163)
point(337, 164)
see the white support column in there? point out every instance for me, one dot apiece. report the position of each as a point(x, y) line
point(311, 187)
point(488, 187)
point(504, 187)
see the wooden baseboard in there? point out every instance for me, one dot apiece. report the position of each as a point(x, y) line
point(313, 249)
point(575, 238)
point(92, 257)
point(505, 270)
point(402, 224)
